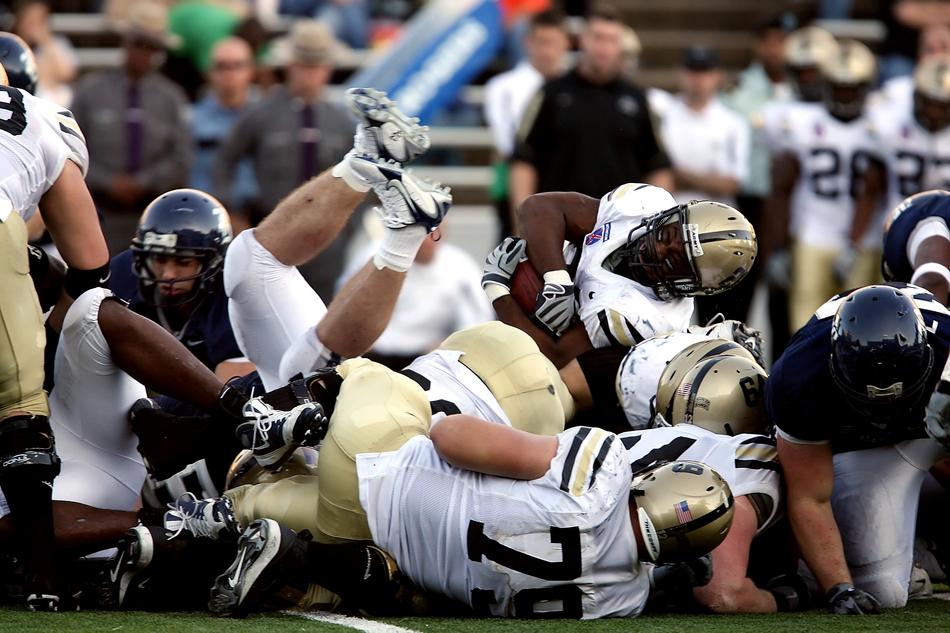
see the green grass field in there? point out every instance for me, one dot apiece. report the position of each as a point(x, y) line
point(919, 617)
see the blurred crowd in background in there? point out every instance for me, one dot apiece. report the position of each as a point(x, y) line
point(236, 98)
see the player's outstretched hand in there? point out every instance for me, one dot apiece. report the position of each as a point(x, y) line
point(937, 415)
point(845, 599)
point(500, 265)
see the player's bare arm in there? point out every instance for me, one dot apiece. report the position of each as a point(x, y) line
point(785, 173)
point(493, 449)
point(874, 187)
point(547, 219)
point(731, 590)
point(809, 477)
point(935, 249)
point(70, 216)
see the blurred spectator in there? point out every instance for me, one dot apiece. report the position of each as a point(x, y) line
point(517, 16)
point(507, 95)
point(708, 145)
point(135, 125)
point(442, 294)
point(199, 25)
point(230, 93)
point(590, 130)
point(761, 84)
point(349, 19)
point(55, 57)
point(291, 135)
point(631, 46)
point(903, 20)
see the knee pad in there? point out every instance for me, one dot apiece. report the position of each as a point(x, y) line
point(27, 451)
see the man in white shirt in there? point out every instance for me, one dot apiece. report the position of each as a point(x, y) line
point(707, 143)
point(507, 95)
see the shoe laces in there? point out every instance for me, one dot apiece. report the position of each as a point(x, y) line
point(262, 416)
point(193, 521)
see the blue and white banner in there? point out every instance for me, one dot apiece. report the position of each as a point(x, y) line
point(443, 47)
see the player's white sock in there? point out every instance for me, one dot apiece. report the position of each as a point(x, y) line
point(343, 170)
point(399, 247)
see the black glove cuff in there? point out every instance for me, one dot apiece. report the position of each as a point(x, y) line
point(231, 402)
point(786, 598)
point(79, 281)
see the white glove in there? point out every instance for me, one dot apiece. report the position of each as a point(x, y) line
point(844, 263)
point(778, 270)
point(500, 266)
point(737, 331)
point(555, 307)
point(937, 415)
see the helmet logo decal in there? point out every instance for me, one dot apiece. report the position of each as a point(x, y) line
point(894, 391)
point(683, 514)
point(650, 538)
point(692, 236)
point(167, 240)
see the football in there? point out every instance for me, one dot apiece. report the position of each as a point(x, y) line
point(526, 283)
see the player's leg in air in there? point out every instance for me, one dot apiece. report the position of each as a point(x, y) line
point(279, 321)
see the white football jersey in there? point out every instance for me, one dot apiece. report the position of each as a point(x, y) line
point(640, 371)
point(916, 159)
point(617, 310)
point(748, 463)
point(561, 545)
point(36, 139)
point(832, 156)
point(451, 387)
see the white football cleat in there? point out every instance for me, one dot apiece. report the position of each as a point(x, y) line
point(408, 200)
point(385, 131)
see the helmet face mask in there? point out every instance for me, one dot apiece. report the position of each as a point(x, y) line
point(684, 510)
point(180, 224)
point(880, 357)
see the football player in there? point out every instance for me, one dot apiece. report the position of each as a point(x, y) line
point(847, 398)
point(472, 513)
point(823, 155)
point(172, 275)
point(43, 161)
point(917, 243)
point(805, 51)
point(640, 259)
point(911, 149)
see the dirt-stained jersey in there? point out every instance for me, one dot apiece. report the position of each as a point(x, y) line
point(36, 139)
point(617, 310)
point(916, 159)
point(832, 156)
point(561, 545)
point(748, 463)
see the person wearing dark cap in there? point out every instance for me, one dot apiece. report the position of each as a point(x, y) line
point(707, 143)
point(136, 125)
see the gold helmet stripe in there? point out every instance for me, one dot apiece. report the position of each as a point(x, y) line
point(694, 388)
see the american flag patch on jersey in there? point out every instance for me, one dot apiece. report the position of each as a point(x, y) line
point(683, 515)
point(598, 235)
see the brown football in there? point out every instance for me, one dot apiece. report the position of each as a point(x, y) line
point(526, 283)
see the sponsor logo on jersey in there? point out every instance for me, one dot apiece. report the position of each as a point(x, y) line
point(601, 234)
point(683, 513)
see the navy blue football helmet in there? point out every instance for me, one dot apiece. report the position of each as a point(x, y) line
point(181, 223)
point(17, 59)
point(880, 357)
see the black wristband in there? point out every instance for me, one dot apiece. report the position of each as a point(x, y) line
point(79, 281)
point(231, 402)
point(786, 598)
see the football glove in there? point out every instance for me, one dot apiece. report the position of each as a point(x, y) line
point(500, 266)
point(676, 577)
point(937, 414)
point(555, 307)
point(793, 592)
point(846, 599)
point(778, 270)
point(737, 331)
point(844, 262)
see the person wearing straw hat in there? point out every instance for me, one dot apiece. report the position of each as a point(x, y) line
point(136, 125)
point(291, 135)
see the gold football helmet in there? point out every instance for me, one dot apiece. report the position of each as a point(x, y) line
point(681, 364)
point(806, 50)
point(932, 92)
point(684, 510)
point(699, 248)
point(245, 470)
point(848, 75)
point(722, 394)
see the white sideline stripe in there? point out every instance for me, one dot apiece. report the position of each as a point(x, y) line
point(360, 624)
